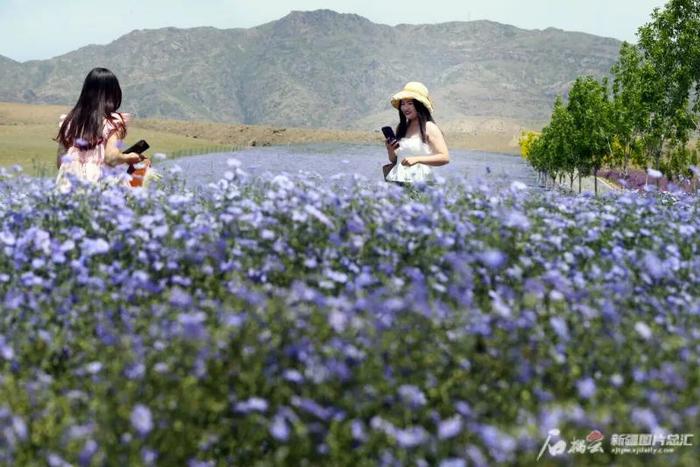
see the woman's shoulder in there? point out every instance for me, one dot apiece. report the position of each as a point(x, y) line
point(432, 130)
point(116, 122)
point(118, 119)
point(431, 126)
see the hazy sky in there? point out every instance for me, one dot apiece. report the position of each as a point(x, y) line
point(38, 29)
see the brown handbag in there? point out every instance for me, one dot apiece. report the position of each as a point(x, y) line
point(387, 168)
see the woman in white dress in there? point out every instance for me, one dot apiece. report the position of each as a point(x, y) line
point(419, 142)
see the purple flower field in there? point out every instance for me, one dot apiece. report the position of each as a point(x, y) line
point(282, 320)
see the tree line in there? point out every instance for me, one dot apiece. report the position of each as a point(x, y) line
point(645, 114)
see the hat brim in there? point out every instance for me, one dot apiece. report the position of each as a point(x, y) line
point(396, 99)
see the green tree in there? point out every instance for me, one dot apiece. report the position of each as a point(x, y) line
point(540, 156)
point(590, 114)
point(560, 138)
point(670, 45)
point(629, 114)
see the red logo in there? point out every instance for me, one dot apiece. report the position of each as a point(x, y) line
point(594, 436)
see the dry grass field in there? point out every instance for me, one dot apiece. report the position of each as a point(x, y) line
point(27, 132)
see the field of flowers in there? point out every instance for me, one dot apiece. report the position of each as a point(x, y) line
point(297, 321)
point(638, 179)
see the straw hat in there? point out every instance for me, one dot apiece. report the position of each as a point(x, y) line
point(413, 90)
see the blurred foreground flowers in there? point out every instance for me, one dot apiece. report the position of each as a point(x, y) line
point(343, 322)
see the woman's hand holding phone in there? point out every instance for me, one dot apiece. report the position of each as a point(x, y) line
point(132, 158)
point(134, 154)
point(391, 143)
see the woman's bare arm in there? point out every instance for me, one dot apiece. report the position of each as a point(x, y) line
point(113, 156)
point(440, 154)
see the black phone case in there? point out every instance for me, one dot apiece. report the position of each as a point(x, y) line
point(388, 132)
point(139, 147)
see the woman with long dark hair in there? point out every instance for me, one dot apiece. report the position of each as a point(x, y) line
point(89, 136)
point(419, 142)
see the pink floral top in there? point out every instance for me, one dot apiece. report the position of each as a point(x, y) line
point(87, 164)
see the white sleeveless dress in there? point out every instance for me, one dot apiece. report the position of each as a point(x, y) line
point(409, 147)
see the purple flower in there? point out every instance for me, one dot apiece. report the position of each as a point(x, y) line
point(141, 419)
point(88, 452)
point(500, 444)
point(517, 220)
point(293, 376)
point(315, 212)
point(493, 259)
point(279, 428)
point(412, 395)
point(476, 456)
point(6, 351)
point(254, 404)
point(616, 380)
point(200, 463)
point(312, 407)
point(338, 320)
point(358, 430)
point(560, 327)
point(149, 456)
point(643, 330)
point(653, 265)
point(463, 408)
point(93, 367)
point(93, 247)
point(135, 371)
point(54, 460)
point(586, 388)
point(411, 437)
point(19, 427)
point(179, 297)
point(193, 325)
point(81, 144)
point(645, 418)
point(453, 462)
point(450, 428)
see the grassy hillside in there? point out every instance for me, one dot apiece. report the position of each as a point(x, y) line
point(27, 132)
point(322, 69)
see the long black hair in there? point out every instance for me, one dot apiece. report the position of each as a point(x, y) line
point(423, 117)
point(100, 98)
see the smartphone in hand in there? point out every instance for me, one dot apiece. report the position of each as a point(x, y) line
point(390, 135)
point(139, 147)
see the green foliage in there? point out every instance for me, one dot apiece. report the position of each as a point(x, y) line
point(579, 135)
point(590, 113)
point(629, 112)
point(562, 146)
point(651, 111)
point(665, 67)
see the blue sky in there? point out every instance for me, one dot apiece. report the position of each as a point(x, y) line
point(39, 29)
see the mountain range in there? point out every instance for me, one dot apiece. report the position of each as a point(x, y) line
point(324, 69)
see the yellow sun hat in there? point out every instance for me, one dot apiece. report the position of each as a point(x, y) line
point(413, 90)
